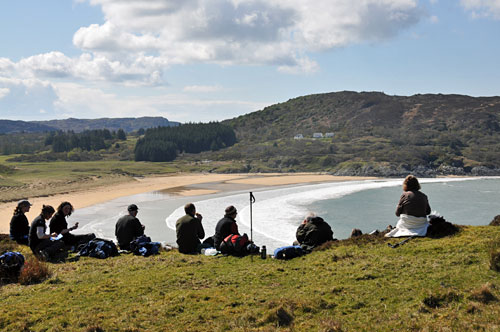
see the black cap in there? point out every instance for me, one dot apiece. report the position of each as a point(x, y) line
point(132, 207)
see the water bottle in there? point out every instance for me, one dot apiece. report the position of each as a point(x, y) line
point(263, 252)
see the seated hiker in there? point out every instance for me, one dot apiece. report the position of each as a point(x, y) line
point(189, 231)
point(412, 210)
point(226, 226)
point(19, 225)
point(128, 228)
point(40, 243)
point(313, 231)
point(59, 225)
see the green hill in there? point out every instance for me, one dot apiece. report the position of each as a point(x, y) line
point(425, 285)
point(374, 134)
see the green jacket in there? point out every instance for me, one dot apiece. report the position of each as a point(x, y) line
point(314, 233)
point(189, 232)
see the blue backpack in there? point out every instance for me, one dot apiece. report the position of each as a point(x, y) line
point(143, 246)
point(99, 248)
point(289, 252)
point(11, 263)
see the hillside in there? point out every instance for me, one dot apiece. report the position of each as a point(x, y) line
point(79, 125)
point(9, 127)
point(374, 134)
point(424, 285)
point(127, 124)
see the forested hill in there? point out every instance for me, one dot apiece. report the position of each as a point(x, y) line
point(127, 124)
point(79, 125)
point(374, 130)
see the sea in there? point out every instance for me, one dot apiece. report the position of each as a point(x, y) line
point(277, 212)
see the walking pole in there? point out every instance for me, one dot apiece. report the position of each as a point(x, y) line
point(252, 200)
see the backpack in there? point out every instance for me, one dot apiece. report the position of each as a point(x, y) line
point(235, 245)
point(99, 248)
point(10, 265)
point(143, 246)
point(289, 252)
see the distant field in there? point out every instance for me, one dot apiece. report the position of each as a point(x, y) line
point(425, 285)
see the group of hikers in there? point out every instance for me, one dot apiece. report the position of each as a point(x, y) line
point(412, 210)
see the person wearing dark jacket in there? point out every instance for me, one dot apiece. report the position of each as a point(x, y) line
point(189, 231)
point(59, 225)
point(128, 228)
point(40, 243)
point(19, 225)
point(226, 226)
point(313, 231)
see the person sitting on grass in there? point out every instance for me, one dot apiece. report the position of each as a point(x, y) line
point(19, 225)
point(412, 210)
point(128, 228)
point(189, 231)
point(312, 232)
point(40, 243)
point(59, 225)
point(226, 226)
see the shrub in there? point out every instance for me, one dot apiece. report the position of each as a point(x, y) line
point(495, 221)
point(495, 256)
point(34, 271)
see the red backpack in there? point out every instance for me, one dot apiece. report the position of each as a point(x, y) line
point(235, 244)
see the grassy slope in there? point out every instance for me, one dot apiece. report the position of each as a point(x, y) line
point(348, 287)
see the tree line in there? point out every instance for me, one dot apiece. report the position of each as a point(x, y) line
point(165, 143)
point(88, 140)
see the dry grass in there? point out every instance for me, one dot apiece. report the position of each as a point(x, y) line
point(484, 294)
point(33, 272)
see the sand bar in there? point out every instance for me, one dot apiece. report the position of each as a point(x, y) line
point(85, 198)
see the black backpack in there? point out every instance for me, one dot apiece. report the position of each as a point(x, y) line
point(288, 252)
point(99, 248)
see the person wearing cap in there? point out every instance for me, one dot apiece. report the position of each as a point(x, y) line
point(59, 225)
point(19, 225)
point(226, 226)
point(128, 228)
point(189, 231)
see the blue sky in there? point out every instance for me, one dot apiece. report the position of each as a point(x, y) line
point(203, 60)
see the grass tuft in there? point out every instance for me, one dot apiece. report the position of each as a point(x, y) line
point(94, 329)
point(330, 325)
point(441, 300)
point(483, 295)
point(33, 272)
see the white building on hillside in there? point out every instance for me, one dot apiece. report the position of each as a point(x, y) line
point(329, 135)
point(318, 135)
point(298, 136)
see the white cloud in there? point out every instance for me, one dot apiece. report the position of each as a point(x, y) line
point(482, 8)
point(273, 32)
point(4, 92)
point(202, 88)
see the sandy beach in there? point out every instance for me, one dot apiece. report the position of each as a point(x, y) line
point(177, 184)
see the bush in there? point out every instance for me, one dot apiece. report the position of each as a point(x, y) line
point(34, 272)
point(495, 259)
point(495, 221)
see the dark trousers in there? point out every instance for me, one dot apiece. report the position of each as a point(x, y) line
point(51, 248)
point(71, 240)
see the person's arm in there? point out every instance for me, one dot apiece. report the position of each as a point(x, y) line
point(300, 234)
point(399, 207)
point(234, 228)
point(201, 231)
point(67, 230)
point(40, 233)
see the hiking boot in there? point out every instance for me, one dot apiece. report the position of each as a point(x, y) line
point(43, 256)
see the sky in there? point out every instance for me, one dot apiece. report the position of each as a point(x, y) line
point(210, 60)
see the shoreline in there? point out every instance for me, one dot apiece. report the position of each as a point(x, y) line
point(180, 184)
